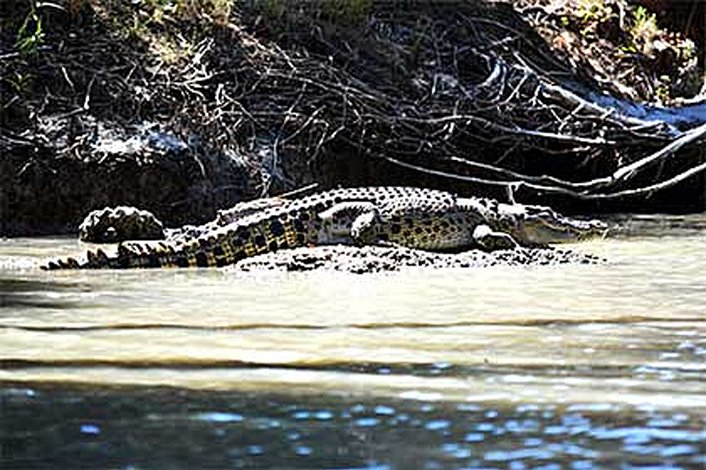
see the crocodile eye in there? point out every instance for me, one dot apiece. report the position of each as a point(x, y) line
point(109, 234)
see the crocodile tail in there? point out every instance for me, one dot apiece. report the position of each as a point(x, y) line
point(128, 255)
point(198, 252)
point(91, 260)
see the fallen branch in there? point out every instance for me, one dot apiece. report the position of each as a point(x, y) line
point(689, 136)
point(512, 186)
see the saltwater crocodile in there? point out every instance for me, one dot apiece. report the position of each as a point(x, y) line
point(393, 216)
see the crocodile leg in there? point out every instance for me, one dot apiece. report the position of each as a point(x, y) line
point(366, 229)
point(346, 222)
point(490, 240)
point(435, 225)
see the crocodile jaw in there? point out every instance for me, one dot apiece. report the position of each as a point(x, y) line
point(564, 231)
point(539, 225)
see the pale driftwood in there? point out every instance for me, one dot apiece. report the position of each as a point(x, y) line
point(579, 190)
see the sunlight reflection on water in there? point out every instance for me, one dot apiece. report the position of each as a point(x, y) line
point(473, 367)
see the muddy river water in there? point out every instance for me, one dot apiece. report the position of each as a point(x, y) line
point(572, 366)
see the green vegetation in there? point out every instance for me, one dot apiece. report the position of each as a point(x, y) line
point(643, 30)
point(30, 35)
point(590, 12)
point(627, 49)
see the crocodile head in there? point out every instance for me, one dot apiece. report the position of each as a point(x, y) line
point(540, 225)
point(115, 224)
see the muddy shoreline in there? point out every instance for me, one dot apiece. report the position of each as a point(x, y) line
point(370, 259)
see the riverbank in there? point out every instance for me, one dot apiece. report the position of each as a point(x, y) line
point(184, 110)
